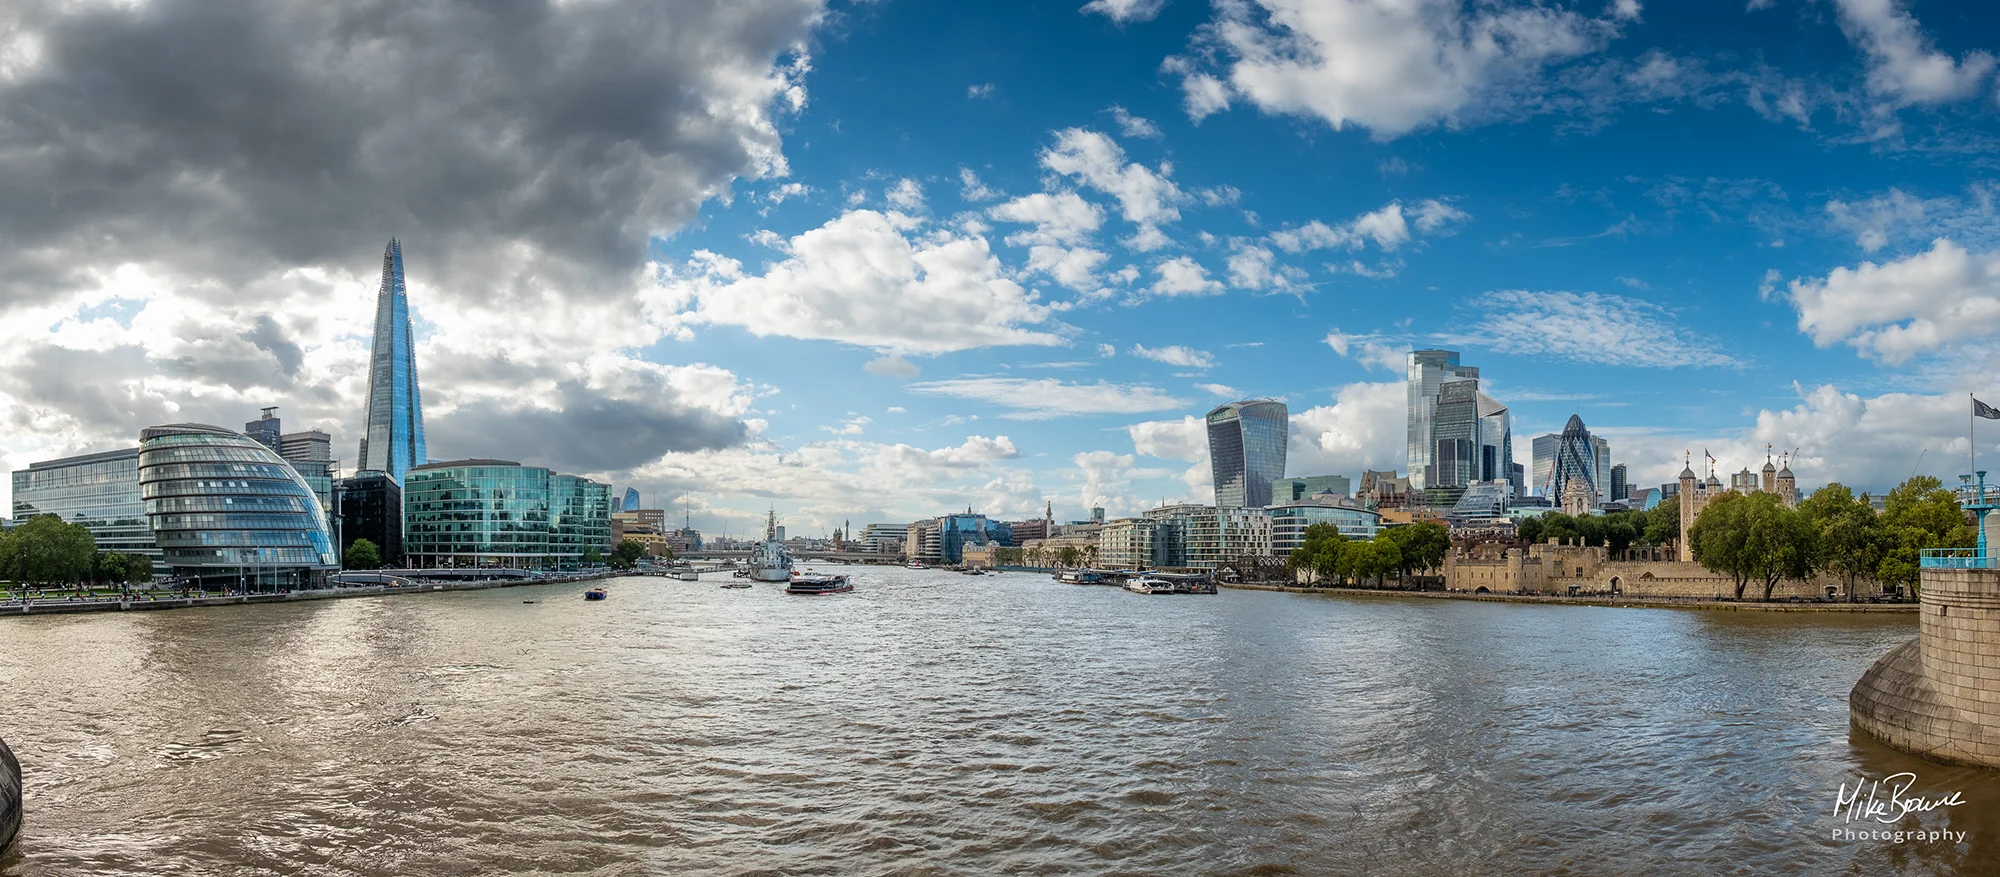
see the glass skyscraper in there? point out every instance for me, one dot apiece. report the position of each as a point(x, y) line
point(1455, 428)
point(631, 500)
point(99, 491)
point(394, 438)
point(1575, 457)
point(1246, 451)
point(498, 513)
point(1429, 370)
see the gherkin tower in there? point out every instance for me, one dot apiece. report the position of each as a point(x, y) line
point(394, 440)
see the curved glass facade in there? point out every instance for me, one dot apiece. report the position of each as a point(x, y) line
point(225, 509)
point(501, 514)
point(1246, 448)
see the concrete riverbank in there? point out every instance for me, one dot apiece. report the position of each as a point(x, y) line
point(1618, 602)
point(56, 606)
point(10, 796)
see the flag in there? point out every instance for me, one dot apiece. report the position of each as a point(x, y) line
point(1981, 409)
point(1705, 453)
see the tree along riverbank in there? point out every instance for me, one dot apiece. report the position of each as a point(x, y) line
point(1621, 602)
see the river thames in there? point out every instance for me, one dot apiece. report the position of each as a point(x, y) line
point(932, 723)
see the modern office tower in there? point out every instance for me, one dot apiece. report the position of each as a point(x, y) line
point(266, 430)
point(1286, 490)
point(1246, 449)
point(1545, 462)
point(226, 509)
point(1575, 457)
point(1600, 457)
point(1518, 477)
point(371, 508)
point(1429, 370)
point(955, 533)
point(311, 452)
point(394, 439)
point(1621, 489)
point(498, 513)
point(1097, 514)
point(1290, 520)
point(99, 491)
point(1454, 435)
point(1496, 441)
point(631, 501)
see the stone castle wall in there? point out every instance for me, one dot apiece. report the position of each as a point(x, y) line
point(1555, 569)
point(1939, 695)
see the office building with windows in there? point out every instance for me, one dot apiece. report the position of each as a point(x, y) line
point(1246, 447)
point(1286, 490)
point(226, 509)
point(1128, 543)
point(501, 514)
point(99, 491)
point(371, 508)
point(1429, 371)
point(1290, 520)
point(1572, 454)
point(393, 440)
point(1621, 488)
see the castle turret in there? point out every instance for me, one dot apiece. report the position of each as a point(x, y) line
point(1687, 495)
point(1788, 486)
point(1770, 482)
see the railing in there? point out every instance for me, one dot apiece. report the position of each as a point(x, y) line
point(1957, 558)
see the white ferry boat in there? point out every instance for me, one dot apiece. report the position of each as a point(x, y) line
point(1150, 585)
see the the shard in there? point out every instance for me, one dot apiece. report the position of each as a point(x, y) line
point(394, 440)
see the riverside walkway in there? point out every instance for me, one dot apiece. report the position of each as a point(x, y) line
point(48, 605)
point(1618, 602)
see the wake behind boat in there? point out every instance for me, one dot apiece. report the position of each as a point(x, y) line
point(809, 584)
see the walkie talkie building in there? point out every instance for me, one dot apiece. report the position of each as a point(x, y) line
point(1246, 449)
point(394, 439)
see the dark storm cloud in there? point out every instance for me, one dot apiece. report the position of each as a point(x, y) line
point(226, 138)
point(270, 337)
point(591, 433)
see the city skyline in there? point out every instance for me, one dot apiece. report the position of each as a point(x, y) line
point(1066, 262)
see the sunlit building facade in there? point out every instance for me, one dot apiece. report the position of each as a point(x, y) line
point(1429, 371)
point(226, 509)
point(501, 514)
point(1246, 446)
point(99, 491)
point(1289, 523)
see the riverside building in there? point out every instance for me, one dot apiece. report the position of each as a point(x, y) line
point(371, 508)
point(1289, 522)
point(225, 509)
point(501, 514)
point(99, 491)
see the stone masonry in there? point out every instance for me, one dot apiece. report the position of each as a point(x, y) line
point(10, 796)
point(1938, 695)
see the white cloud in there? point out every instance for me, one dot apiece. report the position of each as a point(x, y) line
point(1182, 275)
point(1252, 268)
point(1390, 67)
point(1902, 65)
point(1626, 9)
point(974, 190)
point(1223, 390)
point(1387, 227)
point(1060, 219)
point(1203, 95)
point(1373, 351)
point(1363, 429)
point(1588, 327)
point(1897, 310)
point(892, 366)
point(1175, 355)
point(787, 191)
point(1145, 196)
point(1106, 351)
point(1122, 11)
point(1049, 397)
point(906, 194)
point(984, 89)
point(1896, 216)
point(1074, 267)
point(859, 280)
point(1134, 126)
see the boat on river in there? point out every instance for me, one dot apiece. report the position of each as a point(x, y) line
point(595, 594)
point(1079, 577)
point(1150, 585)
point(768, 561)
point(811, 585)
point(913, 565)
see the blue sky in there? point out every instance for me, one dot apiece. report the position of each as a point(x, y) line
point(1005, 254)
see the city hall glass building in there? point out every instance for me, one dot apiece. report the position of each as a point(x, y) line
point(1246, 447)
point(501, 514)
point(99, 491)
point(227, 510)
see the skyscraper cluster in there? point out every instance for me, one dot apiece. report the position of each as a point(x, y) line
point(1458, 436)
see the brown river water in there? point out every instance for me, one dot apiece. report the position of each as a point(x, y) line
point(938, 724)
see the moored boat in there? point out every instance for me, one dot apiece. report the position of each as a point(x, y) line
point(809, 584)
point(1149, 585)
point(769, 562)
point(913, 565)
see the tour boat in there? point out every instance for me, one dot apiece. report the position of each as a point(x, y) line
point(1078, 577)
point(1149, 585)
point(812, 585)
point(595, 594)
point(913, 565)
point(735, 585)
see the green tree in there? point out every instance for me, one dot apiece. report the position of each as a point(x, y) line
point(1919, 514)
point(1620, 531)
point(1720, 538)
point(1560, 529)
point(1419, 547)
point(1755, 538)
point(1663, 523)
point(1530, 530)
point(108, 566)
point(363, 554)
point(47, 551)
point(592, 556)
point(1068, 555)
point(1376, 557)
point(626, 555)
point(138, 568)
